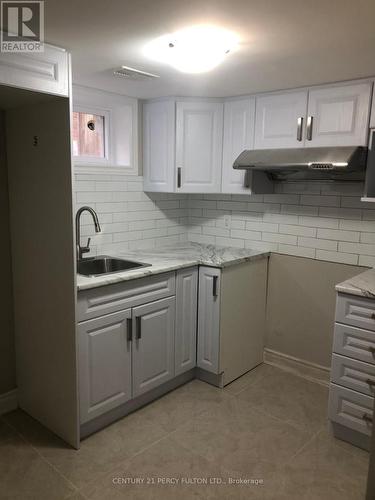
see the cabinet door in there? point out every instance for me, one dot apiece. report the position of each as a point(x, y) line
point(153, 344)
point(159, 146)
point(208, 319)
point(104, 364)
point(186, 320)
point(279, 120)
point(338, 116)
point(199, 138)
point(239, 122)
point(46, 71)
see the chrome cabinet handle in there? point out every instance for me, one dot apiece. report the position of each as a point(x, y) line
point(179, 177)
point(138, 320)
point(367, 418)
point(247, 178)
point(129, 327)
point(214, 286)
point(309, 127)
point(299, 128)
point(370, 382)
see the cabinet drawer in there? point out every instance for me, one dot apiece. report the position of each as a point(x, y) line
point(353, 374)
point(354, 343)
point(355, 311)
point(107, 299)
point(351, 409)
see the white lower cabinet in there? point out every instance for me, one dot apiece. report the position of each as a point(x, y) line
point(209, 319)
point(186, 320)
point(131, 342)
point(153, 345)
point(104, 364)
point(231, 319)
point(126, 337)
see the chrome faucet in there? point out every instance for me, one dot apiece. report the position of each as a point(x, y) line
point(81, 250)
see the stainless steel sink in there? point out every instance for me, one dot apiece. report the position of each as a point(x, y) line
point(104, 264)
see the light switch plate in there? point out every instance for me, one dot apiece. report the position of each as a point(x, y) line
point(227, 221)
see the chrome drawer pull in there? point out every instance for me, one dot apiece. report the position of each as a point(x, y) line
point(370, 382)
point(299, 128)
point(367, 418)
point(309, 128)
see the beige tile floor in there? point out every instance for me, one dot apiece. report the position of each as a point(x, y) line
point(269, 425)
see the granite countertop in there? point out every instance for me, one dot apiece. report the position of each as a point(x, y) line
point(170, 258)
point(362, 285)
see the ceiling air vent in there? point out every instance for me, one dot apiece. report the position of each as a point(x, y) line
point(133, 74)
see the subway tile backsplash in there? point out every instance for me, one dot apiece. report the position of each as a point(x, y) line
point(323, 221)
point(129, 217)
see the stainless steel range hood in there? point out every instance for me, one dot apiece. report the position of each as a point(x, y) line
point(329, 163)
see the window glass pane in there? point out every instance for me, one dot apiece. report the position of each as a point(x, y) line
point(88, 135)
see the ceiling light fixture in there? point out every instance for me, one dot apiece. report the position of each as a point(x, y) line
point(197, 49)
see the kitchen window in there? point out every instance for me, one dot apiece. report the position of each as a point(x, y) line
point(89, 136)
point(104, 132)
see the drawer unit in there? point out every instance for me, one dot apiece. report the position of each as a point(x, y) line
point(355, 311)
point(112, 298)
point(352, 389)
point(351, 409)
point(353, 374)
point(354, 343)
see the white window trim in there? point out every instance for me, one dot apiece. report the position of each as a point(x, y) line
point(103, 103)
point(91, 161)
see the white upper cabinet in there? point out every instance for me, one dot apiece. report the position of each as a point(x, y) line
point(190, 145)
point(239, 120)
point(46, 71)
point(199, 134)
point(279, 120)
point(159, 146)
point(338, 116)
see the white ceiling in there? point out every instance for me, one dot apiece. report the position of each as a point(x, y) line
point(284, 43)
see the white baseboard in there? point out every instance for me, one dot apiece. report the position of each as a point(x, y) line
point(300, 367)
point(8, 401)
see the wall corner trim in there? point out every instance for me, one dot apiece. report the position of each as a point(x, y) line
point(305, 369)
point(8, 401)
